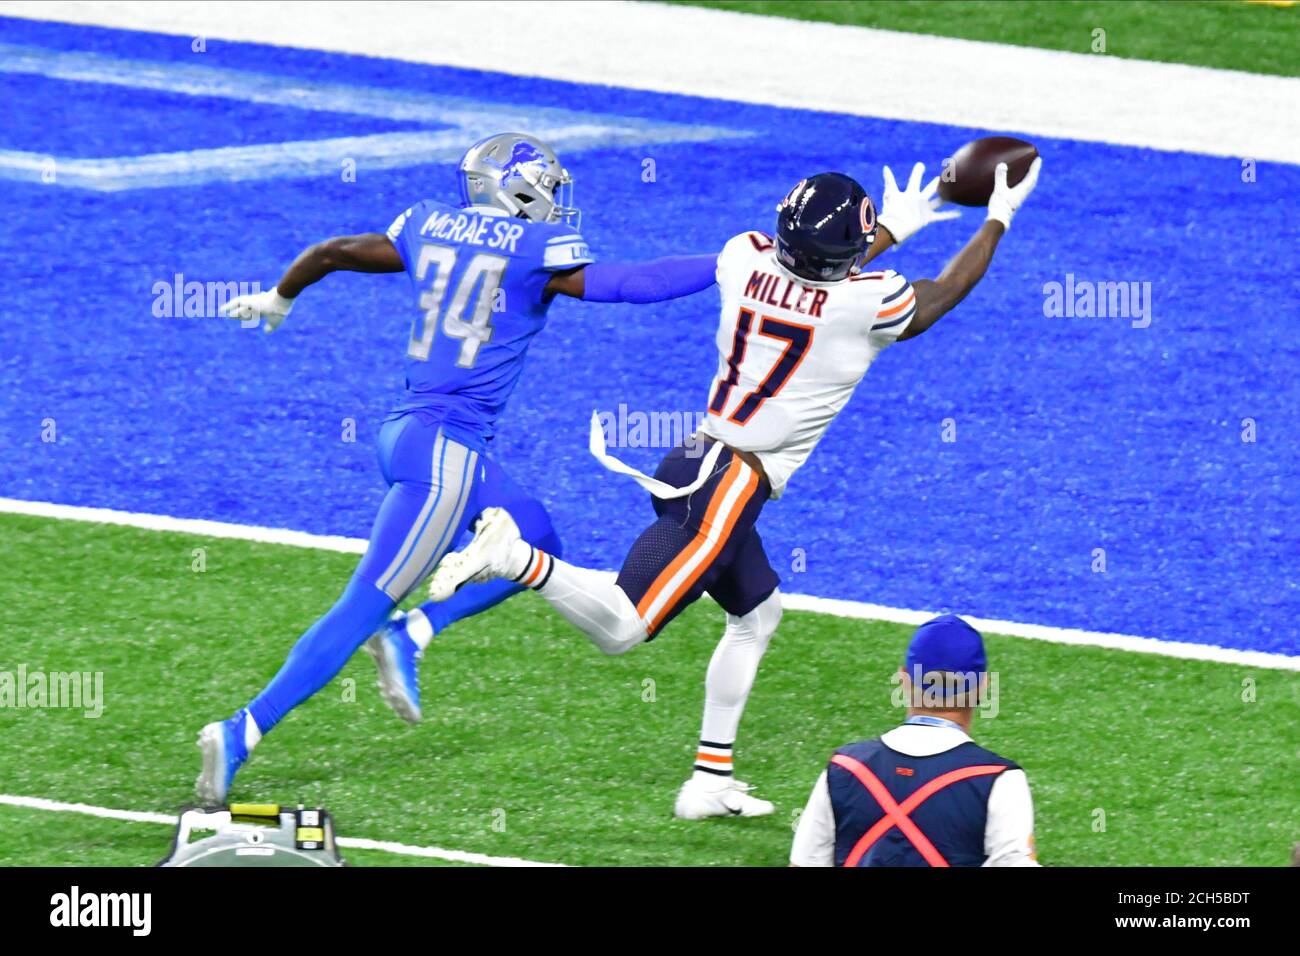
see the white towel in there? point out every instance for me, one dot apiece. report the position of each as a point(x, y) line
point(659, 489)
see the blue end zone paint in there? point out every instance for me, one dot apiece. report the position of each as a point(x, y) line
point(1072, 433)
point(48, 116)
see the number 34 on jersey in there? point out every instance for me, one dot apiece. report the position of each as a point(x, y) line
point(479, 277)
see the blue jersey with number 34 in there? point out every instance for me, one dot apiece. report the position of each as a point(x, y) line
point(478, 276)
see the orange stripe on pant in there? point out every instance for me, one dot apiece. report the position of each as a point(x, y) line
point(664, 576)
point(738, 473)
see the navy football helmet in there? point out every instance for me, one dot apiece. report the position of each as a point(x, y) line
point(823, 227)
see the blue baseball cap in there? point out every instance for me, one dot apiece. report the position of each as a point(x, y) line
point(946, 643)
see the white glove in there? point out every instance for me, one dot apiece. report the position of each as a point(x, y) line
point(904, 212)
point(268, 307)
point(1007, 199)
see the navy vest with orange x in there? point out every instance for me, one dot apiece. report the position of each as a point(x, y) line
point(895, 810)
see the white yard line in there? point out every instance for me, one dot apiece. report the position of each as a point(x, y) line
point(1054, 635)
point(770, 61)
point(567, 130)
point(194, 526)
point(857, 610)
point(353, 843)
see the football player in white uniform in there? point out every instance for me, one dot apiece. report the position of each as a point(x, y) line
point(801, 323)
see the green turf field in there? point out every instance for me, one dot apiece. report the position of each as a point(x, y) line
point(536, 746)
point(1233, 35)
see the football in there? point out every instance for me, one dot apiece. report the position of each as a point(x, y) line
point(967, 177)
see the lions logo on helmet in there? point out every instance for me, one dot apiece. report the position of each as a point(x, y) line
point(824, 226)
point(525, 161)
point(520, 174)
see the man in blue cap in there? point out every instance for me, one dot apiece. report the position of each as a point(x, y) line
point(923, 794)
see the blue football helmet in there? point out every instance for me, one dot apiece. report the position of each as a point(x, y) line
point(520, 174)
point(823, 227)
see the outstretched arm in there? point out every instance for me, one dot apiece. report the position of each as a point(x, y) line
point(369, 252)
point(935, 298)
point(653, 281)
point(905, 212)
point(883, 242)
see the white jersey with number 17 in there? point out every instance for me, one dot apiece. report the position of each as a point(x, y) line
point(791, 352)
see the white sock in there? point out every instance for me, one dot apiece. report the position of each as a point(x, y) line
point(527, 565)
point(728, 681)
point(251, 733)
point(418, 628)
point(589, 600)
point(713, 764)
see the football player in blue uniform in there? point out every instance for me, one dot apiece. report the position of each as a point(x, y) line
point(484, 273)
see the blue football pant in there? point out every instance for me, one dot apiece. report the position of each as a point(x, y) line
point(436, 488)
point(497, 490)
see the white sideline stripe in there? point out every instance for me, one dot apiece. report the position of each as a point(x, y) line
point(348, 843)
point(856, 610)
point(765, 60)
point(1055, 635)
point(194, 526)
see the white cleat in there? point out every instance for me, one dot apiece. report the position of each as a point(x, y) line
point(486, 557)
point(699, 799)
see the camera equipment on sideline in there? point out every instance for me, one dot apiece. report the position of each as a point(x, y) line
point(254, 834)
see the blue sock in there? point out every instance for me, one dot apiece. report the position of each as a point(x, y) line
point(476, 598)
point(469, 600)
point(321, 652)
